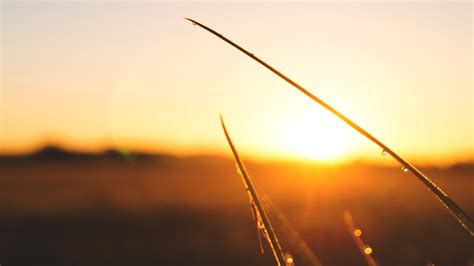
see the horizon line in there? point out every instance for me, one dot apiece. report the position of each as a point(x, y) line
point(252, 159)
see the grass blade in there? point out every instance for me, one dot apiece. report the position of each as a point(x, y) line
point(464, 220)
point(302, 245)
point(356, 233)
point(263, 223)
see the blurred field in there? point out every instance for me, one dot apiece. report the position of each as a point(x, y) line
point(66, 209)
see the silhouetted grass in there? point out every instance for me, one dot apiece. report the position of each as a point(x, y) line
point(464, 220)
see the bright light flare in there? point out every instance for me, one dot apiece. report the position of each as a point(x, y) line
point(316, 135)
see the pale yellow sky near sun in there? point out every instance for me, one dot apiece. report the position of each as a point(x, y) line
point(93, 75)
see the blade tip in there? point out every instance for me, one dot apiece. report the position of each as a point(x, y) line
point(190, 19)
point(222, 119)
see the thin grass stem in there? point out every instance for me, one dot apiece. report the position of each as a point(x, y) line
point(356, 234)
point(464, 220)
point(263, 223)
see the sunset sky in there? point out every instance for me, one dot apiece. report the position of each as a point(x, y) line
point(94, 75)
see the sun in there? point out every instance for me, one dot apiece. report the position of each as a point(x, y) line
point(317, 136)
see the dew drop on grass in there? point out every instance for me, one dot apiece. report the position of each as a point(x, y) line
point(404, 169)
point(289, 259)
point(384, 152)
point(368, 250)
point(357, 232)
point(238, 171)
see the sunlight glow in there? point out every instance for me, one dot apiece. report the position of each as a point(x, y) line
point(158, 85)
point(316, 135)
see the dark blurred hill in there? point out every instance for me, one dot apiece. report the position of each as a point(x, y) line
point(54, 153)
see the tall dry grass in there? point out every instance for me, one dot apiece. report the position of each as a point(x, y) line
point(463, 219)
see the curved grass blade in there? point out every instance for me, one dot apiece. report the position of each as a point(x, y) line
point(356, 233)
point(302, 245)
point(464, 220)
point(263, 223)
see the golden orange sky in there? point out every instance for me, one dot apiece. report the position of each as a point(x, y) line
point(93, 75)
